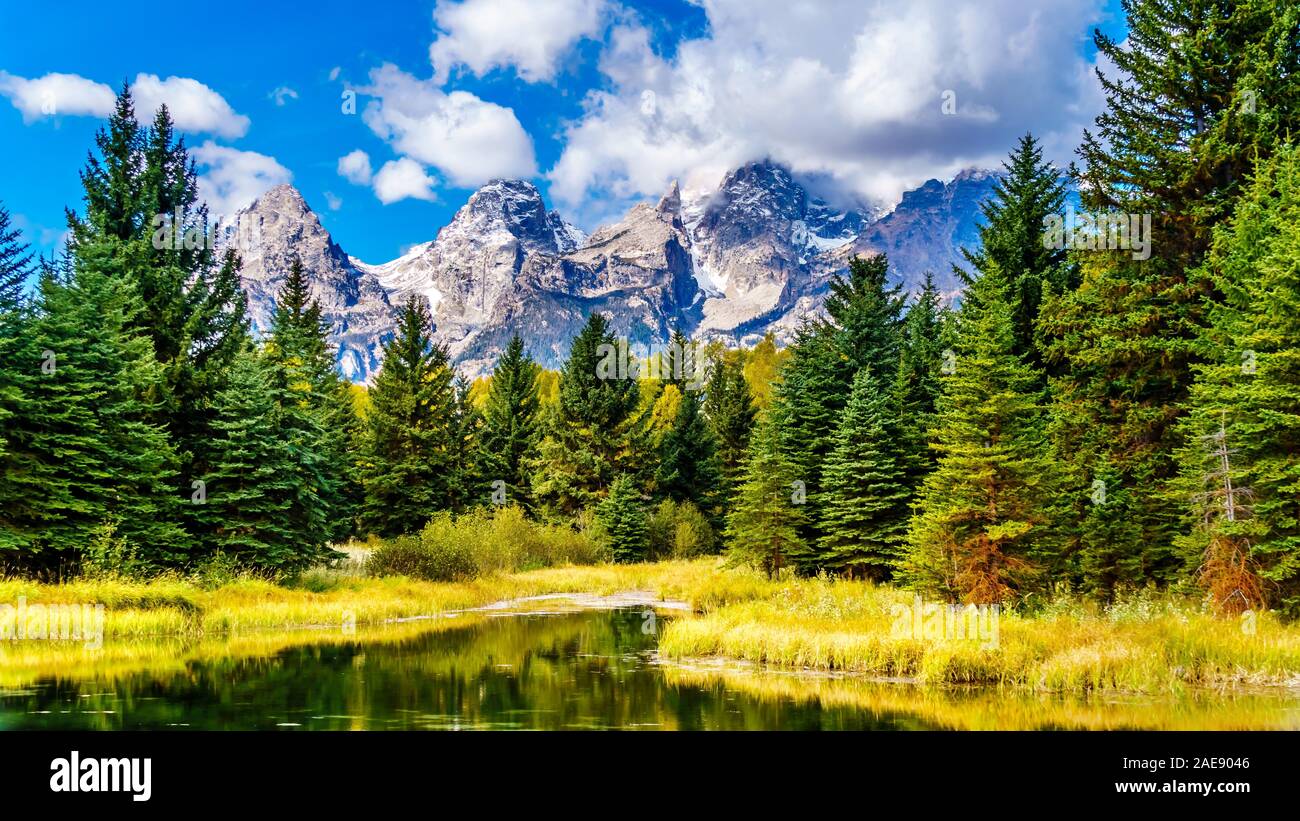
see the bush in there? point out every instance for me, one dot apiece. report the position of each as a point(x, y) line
point(482, 542)
point(679, 531)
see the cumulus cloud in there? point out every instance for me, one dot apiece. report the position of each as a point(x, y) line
point(333, 201)
point(852, 94)
point(231, 179)
point(467, 139)
point(56, 95)
point(355, 167)
point(530, 36)
point(194, 107)
point(401, 179)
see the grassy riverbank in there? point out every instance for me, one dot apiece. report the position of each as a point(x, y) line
point(1149, 644)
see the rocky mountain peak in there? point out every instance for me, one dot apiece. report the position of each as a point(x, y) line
point(754, 254)
point(354, 304)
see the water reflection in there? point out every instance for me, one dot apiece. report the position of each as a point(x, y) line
point(576, 670)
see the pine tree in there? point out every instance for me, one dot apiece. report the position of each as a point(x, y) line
point(588, 436)
point(258, 508)
point(622, 515)
point(1240, 464)
point(1201, 92)
point(17, 364)
point(408, 447)
point(313, 416)
point(919, 383)
point(1011, 241)
point(862, 330)
point(688, 461)
point(466, 477)
point(511, 424)
point(729, 409)
point(864, 516)
point(981, 532)
point(15, 265)
point(90, 451)
point(142, 211)
point(763, 528)
point(809, 399)
point(866, 313)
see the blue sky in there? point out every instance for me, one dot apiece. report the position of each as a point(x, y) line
point(601, 103)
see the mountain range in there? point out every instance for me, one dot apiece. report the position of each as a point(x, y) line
point(753, 255)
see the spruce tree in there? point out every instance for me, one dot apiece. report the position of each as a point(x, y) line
point(92, 453)
point(1240, 463)
point(511, 424)
point(259, 510)
point(17, 365)
point(1011, 241)
point(314, 418)
point(622, 515)
point(981, 534)
point(688, 457)
point(765, 523)
point(919, 382)
point(1200, 93)
point(143, 213)
point(729, 409)
point(588, 435)
point(862, 329)
point(409, 444)
point(864, 515)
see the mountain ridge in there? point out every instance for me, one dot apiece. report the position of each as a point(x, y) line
point(755, 254)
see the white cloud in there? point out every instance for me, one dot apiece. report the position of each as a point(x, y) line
point(334, 73)
point(194, 107)
point(847, 91)
point(467, 139)
point(333, 201)
point(355, 167)
point(531, 36)
point(231, 179)
point(56, 95)
point(402, 179)
point(283, 94)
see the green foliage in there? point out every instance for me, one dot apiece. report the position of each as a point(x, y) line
point(1201, 93)
point(408, 468)
point(480, 542)
point(730, 411)
point(864, 516)
point(511, 424)
point(981, 531)
point(623, 518)
point(688, 461)
point(590, 431)
point(90, 447)
point(263, 507)
point(1011, 247)
point(679, 531)
point(1241, 461)
point(763, 529)
point(920, 379)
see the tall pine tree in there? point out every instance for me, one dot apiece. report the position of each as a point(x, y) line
point(407, 467)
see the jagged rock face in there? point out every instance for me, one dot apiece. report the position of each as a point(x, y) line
point(754, 255)
point(637, 272)
point(928, 229)
point(756, 241)
point(475, 261)
point(354, 304)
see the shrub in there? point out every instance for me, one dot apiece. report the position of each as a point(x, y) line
point(483, 542)
point(679, 531)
